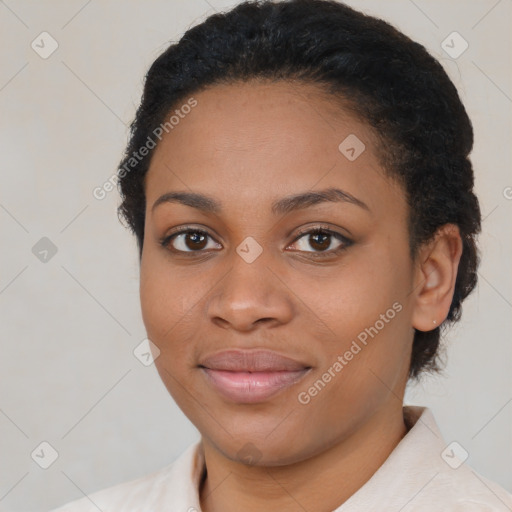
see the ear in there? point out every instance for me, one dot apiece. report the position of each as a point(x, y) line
point(434, 278)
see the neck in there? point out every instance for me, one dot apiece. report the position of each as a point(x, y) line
point(322, 482)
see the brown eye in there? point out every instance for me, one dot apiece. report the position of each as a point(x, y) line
point(321, 240)
point(187, 240)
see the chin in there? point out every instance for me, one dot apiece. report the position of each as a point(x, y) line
point(260, 449)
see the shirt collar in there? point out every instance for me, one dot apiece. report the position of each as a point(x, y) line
point(415, 459)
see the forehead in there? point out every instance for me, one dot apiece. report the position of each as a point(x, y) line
point(256, 140)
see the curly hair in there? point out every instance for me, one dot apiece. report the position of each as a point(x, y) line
point(389, 81)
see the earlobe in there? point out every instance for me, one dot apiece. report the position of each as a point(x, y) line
point(436, 274)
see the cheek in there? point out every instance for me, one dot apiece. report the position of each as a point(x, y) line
point(364, 305)
point(169, 324)
point(163, 298)
point(352, 296)
point(154, 299)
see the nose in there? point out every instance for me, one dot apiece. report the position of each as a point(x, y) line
point(250, 294)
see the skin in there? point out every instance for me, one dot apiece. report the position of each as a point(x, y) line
point(237, 141)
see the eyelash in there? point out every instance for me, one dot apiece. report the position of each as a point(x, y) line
point(345, 242)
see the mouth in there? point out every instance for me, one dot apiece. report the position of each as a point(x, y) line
point(251, 376)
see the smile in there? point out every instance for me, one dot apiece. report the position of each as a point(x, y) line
point(251, 376)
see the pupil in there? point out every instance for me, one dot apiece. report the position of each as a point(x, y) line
point(196, 238)
point(323, 236)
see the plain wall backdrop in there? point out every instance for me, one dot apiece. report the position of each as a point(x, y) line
point(70, 319)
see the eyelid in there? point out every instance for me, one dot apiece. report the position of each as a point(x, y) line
point(318, 227)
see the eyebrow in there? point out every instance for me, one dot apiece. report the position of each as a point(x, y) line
point(280, 207)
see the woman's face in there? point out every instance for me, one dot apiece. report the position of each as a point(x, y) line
point(274, 342)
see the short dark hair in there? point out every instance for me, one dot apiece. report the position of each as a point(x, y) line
point(391, 82)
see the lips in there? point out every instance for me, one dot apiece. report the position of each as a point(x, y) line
point(250, 376)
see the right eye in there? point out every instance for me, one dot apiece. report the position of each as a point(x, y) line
point(187, 240)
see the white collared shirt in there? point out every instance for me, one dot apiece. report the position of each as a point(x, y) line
point(421, 474)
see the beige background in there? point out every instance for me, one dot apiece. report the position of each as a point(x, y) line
point(69, 326)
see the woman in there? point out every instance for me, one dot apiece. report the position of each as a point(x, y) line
point(298, 182)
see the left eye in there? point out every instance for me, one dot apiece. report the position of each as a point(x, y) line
point(321, 240)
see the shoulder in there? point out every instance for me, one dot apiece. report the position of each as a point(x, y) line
point(145, 494)
point(465, 490)
point(424, 473)
point(441, 474)
point(134, 492)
